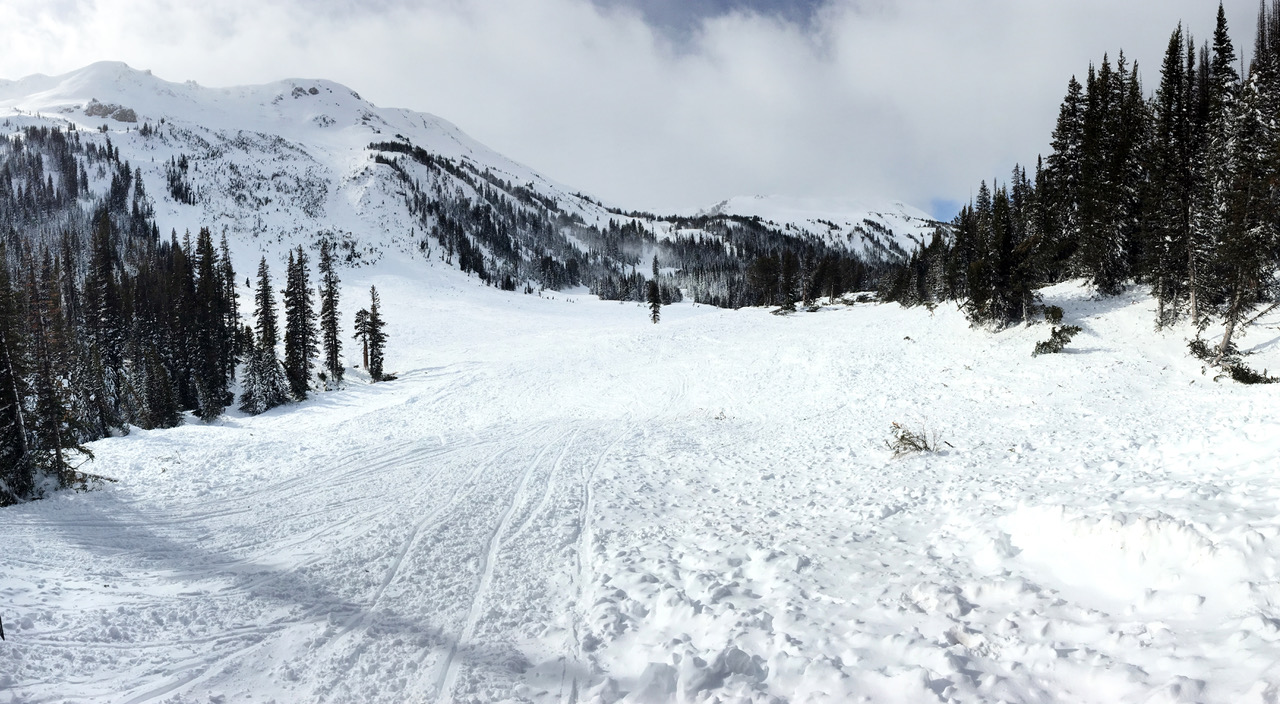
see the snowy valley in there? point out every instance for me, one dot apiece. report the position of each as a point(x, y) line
point(556, 501)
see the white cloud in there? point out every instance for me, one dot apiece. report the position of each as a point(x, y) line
point(914, 99)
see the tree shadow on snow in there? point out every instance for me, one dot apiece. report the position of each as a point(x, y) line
point(256, 602)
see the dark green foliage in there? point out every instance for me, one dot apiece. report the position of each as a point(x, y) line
point(300, 331)
point(1231, 361)
point(377, 336)
point(331, 339)
point(1245, 375)
point(362, 335)
point(1058, 340)
point(17, 474)
point(264, 385)
point(654, 294)
point(1059, 337)
point(1180, 192)
point(655, 302)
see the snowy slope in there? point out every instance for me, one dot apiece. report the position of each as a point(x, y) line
point(884, 230)
point(561, 502)
point(278, 164)
point(275, 164)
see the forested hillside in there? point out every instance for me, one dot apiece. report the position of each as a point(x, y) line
point(1178, 191)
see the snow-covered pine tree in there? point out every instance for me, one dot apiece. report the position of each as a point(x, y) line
point(17, 478)
point(1167, 211)
point(1063, 176)
point(55, 430)
point(264, 386)
point(362, 335)
point(376, 335)
point(1245, 255)
point(789, 280)
point(1220, 90)
point(331, 338)
point(209, 310)
point(653, 295)
point(300, 331)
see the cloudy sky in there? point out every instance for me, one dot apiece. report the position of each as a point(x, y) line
point(663, 104)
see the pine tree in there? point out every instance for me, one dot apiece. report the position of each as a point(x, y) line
point(1218, 167)
point(264, 310)
point(17, 477)
point(105, 327)
point(232, 338)
point(160, 409)
point(377, 336)
point(331, 339)
point(300, 332)
point(209, 331)
point(1244, 257)
point(54, 428)
point(654, 296)
point(1167, 212)
point(265, 385)
point(1063, 176)
point(788, 280)
point(362, 334)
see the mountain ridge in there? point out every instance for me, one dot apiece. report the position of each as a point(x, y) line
point(279, 164)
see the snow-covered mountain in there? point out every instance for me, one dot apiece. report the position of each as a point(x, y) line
point(869, 229)
point(282, 163)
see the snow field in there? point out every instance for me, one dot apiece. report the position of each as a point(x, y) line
point(561, 502)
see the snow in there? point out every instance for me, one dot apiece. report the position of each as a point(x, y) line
point(279, 163)
point(839, 221)
point(559, 501)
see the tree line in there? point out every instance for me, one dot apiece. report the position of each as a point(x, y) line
point(1179, 190)
point(105, 325)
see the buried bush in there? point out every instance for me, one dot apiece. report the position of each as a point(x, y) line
point(905, 441)
point(1231, 362)
point(1061, 335)
point(1246, 375)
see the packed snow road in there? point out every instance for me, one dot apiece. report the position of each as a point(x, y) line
point(560, 502)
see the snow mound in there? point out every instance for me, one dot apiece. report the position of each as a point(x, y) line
point(1127, 558)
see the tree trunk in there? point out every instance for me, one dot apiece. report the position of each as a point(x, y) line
point(1232, 314)
point(1191, 269)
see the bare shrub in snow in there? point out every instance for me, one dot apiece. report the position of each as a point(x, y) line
point(905, 441)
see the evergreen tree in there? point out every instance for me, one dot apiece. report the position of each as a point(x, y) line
point(264, 310)
point(1063, 176)
point(362, 335)
point(264, 385)
point(159, 408)
point(331, 340)
point(210, 353)
point(232, 338)
point(653, 296)
point(1244, 258)
point(300, 331)
point(376, 335)
point(788, 280)
point(54, 428)
point(17, 477)
point(1167, 212)
point(1218, 166)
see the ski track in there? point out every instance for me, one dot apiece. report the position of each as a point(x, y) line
point(562, 504)
point(488, 564)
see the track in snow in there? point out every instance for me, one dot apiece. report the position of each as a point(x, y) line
point(577, 506)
